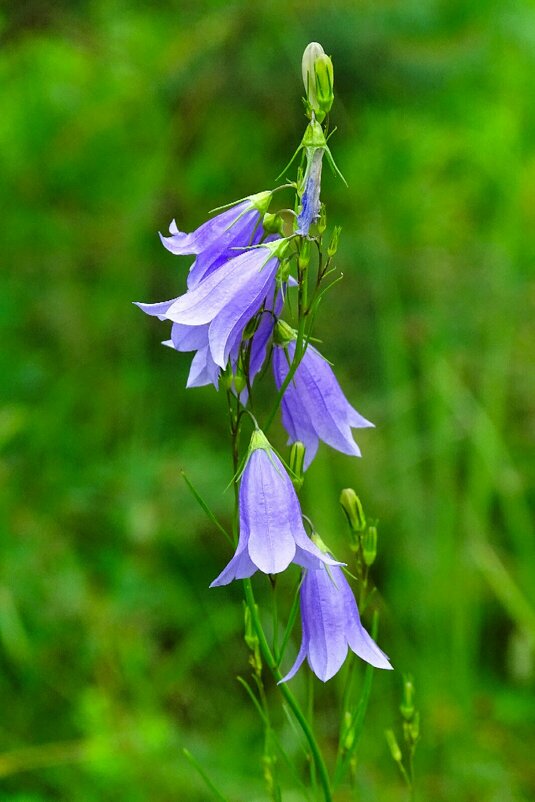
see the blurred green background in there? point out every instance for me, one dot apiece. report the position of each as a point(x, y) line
point(118, 116)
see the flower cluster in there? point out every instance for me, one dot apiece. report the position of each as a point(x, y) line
point(230, 317)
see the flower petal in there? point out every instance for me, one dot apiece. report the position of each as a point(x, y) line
point(265, 513)
point(322, 607)
point(212, 295)
point(201, 239)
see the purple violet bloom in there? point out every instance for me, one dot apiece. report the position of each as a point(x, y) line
point(229, 298)
point(271, 528)
point(216, 241)
point(226, 301)
point(331, 623)
point(314, 407)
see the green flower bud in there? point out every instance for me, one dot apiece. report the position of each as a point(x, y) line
point(316, 539)
point(318, 79)
point(284, 333)
point(251, 638)
point(369, 545)
point(240, 381)
point(226, 377)
point(323, 69)
point(353, 509)
point(407, 703)
point(333, 244)
point(312, 52)
point(304, 254)
point(322, 222)
point(393, 745)
point(261, 201)
point(297, 458)
point(349, 736)
point(273, 224)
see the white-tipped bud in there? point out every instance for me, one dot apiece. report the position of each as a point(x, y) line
point(318, 79)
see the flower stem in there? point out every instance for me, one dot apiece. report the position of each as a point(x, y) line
point(288, 695)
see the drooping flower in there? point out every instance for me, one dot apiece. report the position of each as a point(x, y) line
point(330, 625)
point(271, 528)
point(216, 240)
point(213, 316)
point(314, 407)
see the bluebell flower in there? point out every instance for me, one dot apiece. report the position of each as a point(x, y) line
point(216, 240)
point(314, 407)
point(271, 528)
point(330, 625)
point(213, 316)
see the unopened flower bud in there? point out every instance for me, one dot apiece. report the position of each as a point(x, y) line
point(407, 703)
point(349, 736)
point(316, 539)
point(304, 254)
point(297, 459)
point(318, 79)
point(226, 377)
point(250, 637)
point(273, 224)
point(283, 333)
point(352, 507)
point(393, 745)
point(323, 69)
point(322, 222)
point(333, 244)
point(369, 545)
point(261, 201)
point(240, 380)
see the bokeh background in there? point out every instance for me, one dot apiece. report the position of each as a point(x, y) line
point(117, 116)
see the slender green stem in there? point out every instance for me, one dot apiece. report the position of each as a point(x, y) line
point(287, 694)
